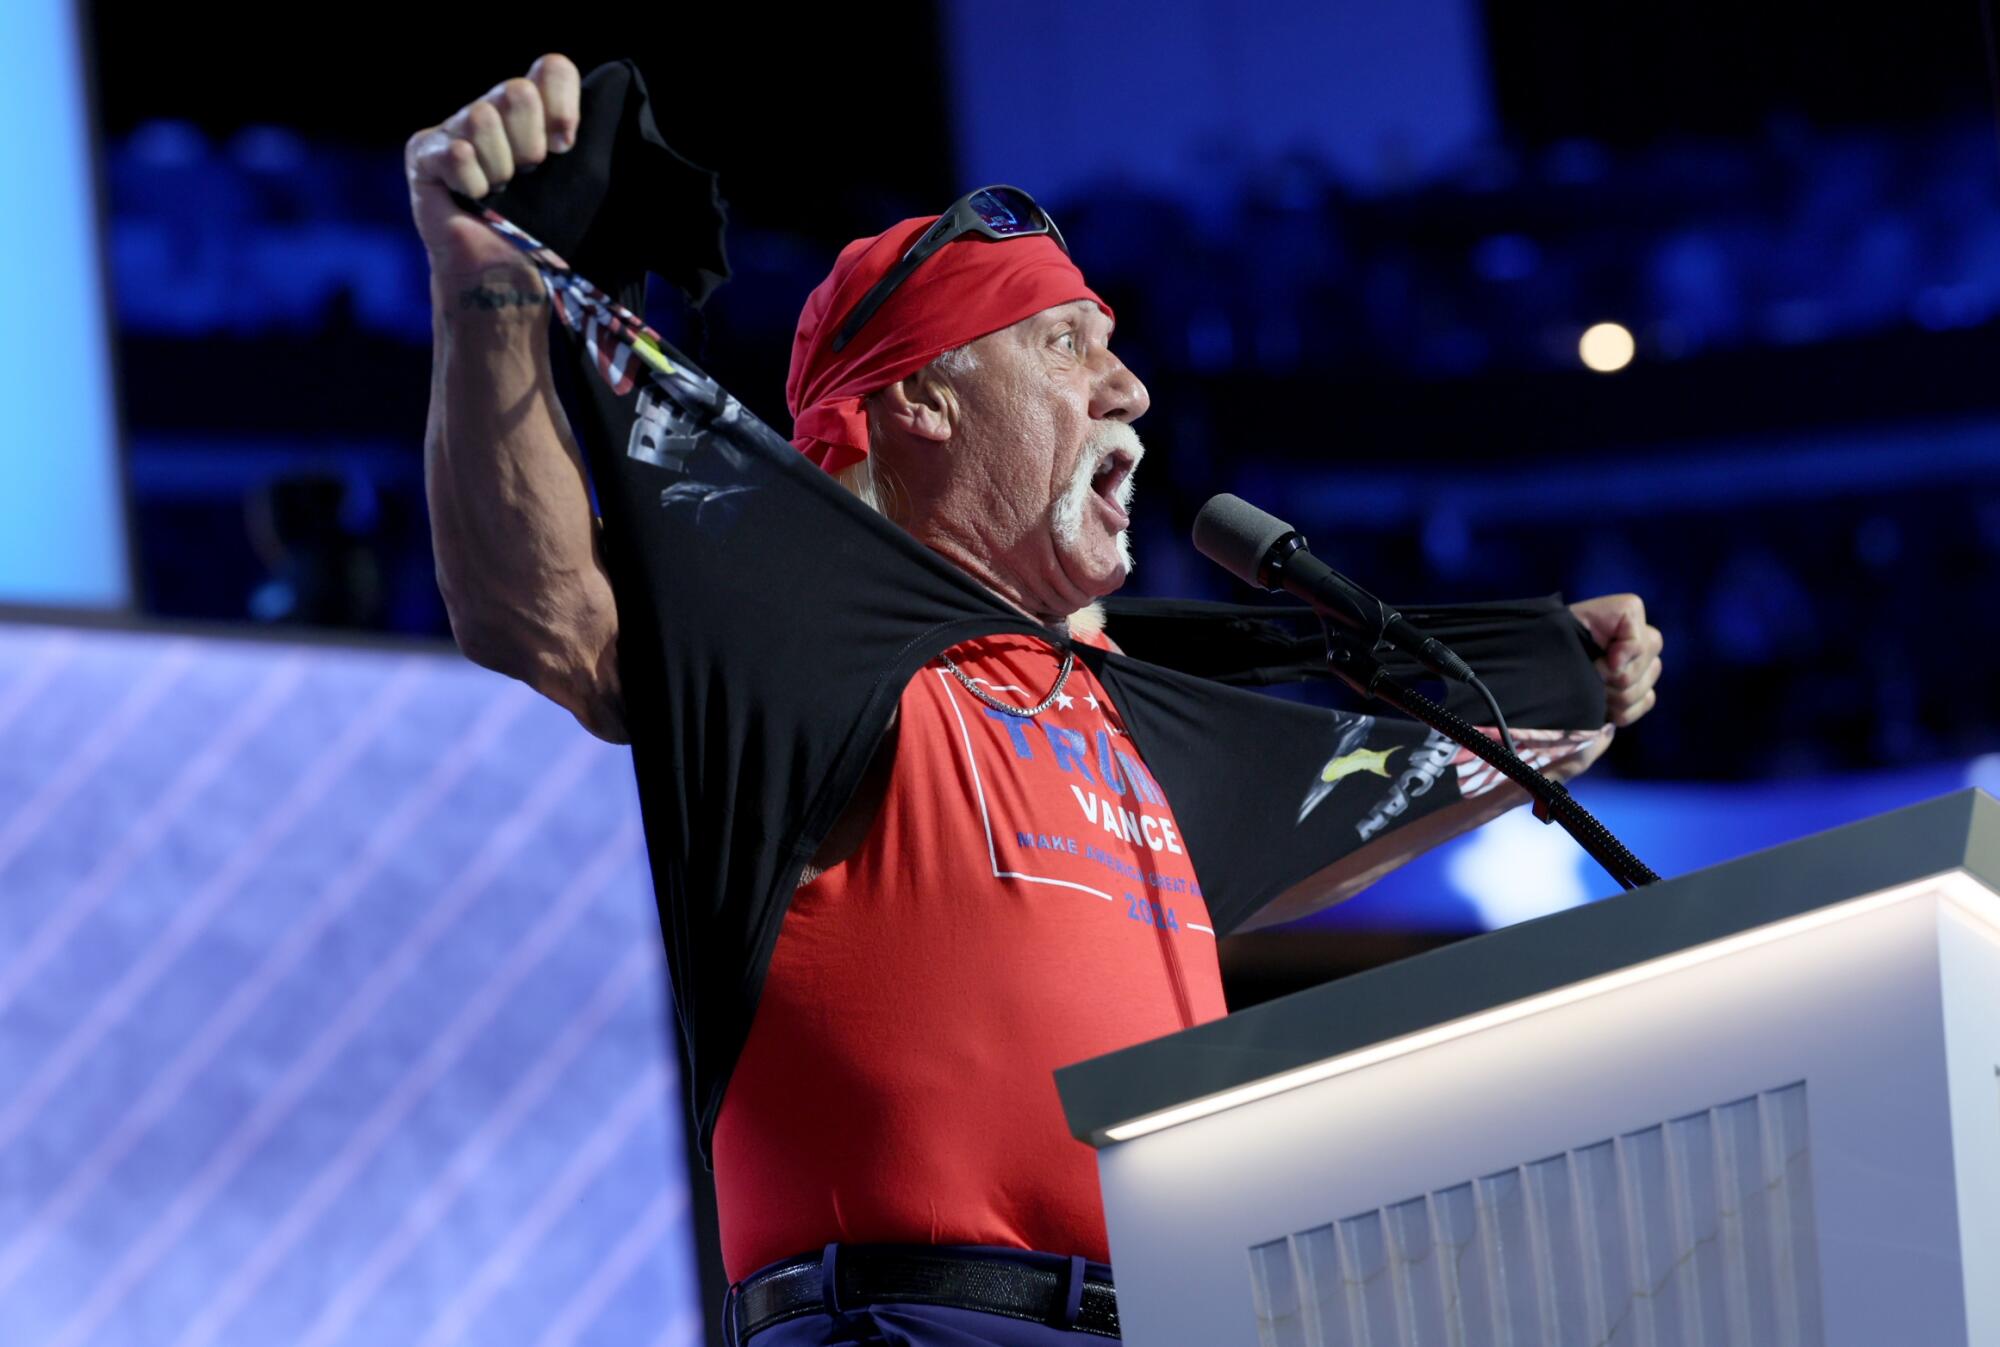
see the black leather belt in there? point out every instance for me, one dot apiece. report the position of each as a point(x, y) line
point(872, 1274)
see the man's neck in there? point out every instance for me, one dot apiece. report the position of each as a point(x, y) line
point(1087, 620)
point(1087, 617)
point(1001, 586)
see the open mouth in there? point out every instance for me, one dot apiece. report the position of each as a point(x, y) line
point(1112, 481)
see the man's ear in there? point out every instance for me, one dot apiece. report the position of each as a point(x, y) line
point(923, 406)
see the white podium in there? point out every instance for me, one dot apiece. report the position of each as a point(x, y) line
point(1756, 1106)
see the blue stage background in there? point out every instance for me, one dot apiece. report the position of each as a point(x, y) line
point(332, 1007)
point(1517, 868)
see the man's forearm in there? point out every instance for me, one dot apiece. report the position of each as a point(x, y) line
point(511, 524)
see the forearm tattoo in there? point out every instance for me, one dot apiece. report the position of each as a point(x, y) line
point(501, 297)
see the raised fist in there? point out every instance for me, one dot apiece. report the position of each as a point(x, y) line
point(517, 124)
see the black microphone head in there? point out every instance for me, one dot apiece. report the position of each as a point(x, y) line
point(1239, 537)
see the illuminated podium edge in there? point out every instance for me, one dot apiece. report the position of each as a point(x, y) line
point(1265, 1048)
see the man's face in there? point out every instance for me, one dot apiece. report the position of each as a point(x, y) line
point(1045, 451)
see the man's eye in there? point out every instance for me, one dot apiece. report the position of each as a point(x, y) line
point(1074, 344)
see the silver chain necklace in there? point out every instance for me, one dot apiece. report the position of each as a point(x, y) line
point(972, 686)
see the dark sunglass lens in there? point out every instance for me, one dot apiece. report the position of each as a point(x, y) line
point(1007, 212)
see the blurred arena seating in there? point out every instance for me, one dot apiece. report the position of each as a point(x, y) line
point(1800, 470)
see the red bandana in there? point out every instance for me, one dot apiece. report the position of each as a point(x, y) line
point(965, 290)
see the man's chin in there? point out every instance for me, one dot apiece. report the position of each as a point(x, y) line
point(1098, 575)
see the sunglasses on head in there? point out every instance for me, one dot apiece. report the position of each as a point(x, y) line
point(998, 213)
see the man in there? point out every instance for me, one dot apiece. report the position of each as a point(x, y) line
point(981, 825)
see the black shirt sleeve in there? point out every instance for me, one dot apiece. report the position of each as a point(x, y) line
point(1532, 653)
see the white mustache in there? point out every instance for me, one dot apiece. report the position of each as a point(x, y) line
point(1116, 435)
point(1113, 437)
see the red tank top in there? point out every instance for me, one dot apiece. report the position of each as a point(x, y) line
point(1023, 901)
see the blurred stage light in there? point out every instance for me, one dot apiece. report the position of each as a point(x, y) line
point(1606, 348)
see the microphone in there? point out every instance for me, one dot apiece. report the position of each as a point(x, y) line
point(1263, 550)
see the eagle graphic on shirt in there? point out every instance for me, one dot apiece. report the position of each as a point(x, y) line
point(1349, 759)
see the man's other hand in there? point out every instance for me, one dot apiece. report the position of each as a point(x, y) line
point(1630, 665)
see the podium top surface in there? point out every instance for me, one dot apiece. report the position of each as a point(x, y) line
point(1960, 831)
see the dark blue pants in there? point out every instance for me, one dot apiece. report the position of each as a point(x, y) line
point(904, 1325)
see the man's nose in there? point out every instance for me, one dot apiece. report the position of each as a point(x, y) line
point(1119, 394)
